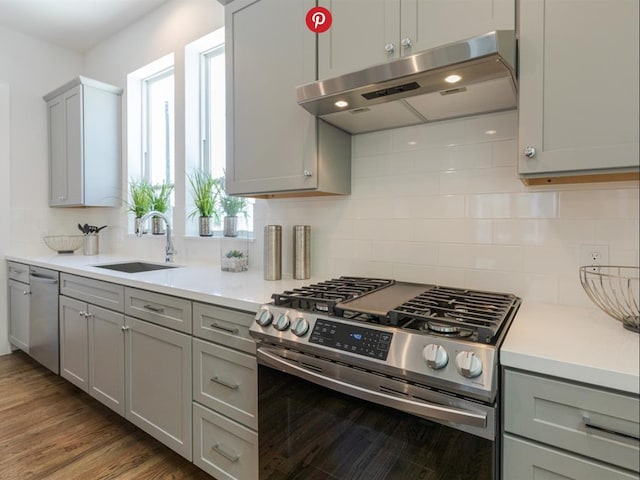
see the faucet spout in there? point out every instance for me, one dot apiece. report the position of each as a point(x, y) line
point(170, 251)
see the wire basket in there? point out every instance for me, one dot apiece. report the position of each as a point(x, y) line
point(63, 243)
point(616, 290)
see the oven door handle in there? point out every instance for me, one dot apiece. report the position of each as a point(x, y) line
point(419, 408)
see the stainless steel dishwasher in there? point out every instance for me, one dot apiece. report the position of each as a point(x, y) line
point(43, 324)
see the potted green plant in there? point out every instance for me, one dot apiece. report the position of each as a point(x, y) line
point(160, 200)
point(204, 191)
point(231, 207)
point(140, 200)
point(235, 261)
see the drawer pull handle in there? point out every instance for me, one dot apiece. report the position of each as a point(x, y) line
point(154, 309)
point(588, 423)
point(232, 457)
point(219, 381)
point(232, 331)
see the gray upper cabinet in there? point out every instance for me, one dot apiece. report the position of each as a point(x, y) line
point(369, 32)
point(84, 144)
point(578, 91)
point(275, 147)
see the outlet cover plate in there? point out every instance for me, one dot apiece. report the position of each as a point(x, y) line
point(595, 255)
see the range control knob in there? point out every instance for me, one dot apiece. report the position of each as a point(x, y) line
point(282, 322)
point(300, 327)
point(468, 364)
point(264, 318)
point(435, 356)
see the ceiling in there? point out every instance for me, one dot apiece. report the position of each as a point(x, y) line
point(74, 24)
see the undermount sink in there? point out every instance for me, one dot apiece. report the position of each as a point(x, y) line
point(136, 267)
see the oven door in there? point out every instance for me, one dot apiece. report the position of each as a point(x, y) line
point(322, 420)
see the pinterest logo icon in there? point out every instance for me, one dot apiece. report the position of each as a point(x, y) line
point(318, 19)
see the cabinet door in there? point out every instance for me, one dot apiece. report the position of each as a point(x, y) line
point(19, 315)
point(427, 24)
point(106, 357)
point(158, 383)
point(359, 33)
point(66, 148)
point(271, 141)
point(74, 342)
point(578, 86)
point(524, 460)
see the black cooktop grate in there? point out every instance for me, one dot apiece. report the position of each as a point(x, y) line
point(468, 313)
point(324, 296)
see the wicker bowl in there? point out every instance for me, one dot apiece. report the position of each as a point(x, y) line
point(616, 290)
point(63, 243)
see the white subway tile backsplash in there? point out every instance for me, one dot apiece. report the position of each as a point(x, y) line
point(618, 233)
point(520, 205)
point(456, 157)
point(427, 274)
point(368, 144)
point(505, 153)
point(487, 180)
point(492, 128)
point(430, 135)
point(591, 203)
point(547, 232)
point(453, 231)
point(482, 257)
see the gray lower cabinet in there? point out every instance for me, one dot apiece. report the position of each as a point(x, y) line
point(560, 429)
point(158, 383)
point(225, 393)
point(526, 460)
point(19, 311)
point(92, 351)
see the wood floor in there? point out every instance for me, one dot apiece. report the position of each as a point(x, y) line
point(51, 430)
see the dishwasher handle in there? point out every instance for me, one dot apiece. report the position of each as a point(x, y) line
point(41, 279)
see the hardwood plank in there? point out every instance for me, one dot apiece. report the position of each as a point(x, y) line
point(49, 429)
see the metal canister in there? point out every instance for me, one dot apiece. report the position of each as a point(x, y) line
point(272, 252)
point(301, 252)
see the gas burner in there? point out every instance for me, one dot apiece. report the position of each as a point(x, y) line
point(324, 296)
point(442, 327)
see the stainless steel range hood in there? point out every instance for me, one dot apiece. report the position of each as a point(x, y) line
point(413, 89)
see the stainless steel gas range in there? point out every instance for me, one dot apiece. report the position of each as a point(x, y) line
point(428, 351)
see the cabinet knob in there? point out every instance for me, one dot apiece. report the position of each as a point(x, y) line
point(124, 328)
point(389, 48)
point(529, 152)
point(26, 292)
point(60, 197)
point(307, 173)
point(406, 42)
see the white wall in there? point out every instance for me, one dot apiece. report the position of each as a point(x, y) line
point(443, 203)
point(5, 211)
point(29, 68)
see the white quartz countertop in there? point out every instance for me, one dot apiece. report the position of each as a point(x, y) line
point(574, 343)
point(205, 283)
point(581, 344)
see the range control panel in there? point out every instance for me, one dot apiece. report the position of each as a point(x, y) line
point(351, 338)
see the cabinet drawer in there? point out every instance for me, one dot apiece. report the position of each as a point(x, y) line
point(18, 271)
point(170, 312)
point(226, 381)
point(223, 448)
point(96, 292)
point(589, 421)
point(222, 325)
point(524, 460)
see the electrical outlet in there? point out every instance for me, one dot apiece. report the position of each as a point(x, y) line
point(594, 256)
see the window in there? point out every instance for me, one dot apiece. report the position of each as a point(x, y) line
point(158, 128)
point(150, 128)
point(205, 74)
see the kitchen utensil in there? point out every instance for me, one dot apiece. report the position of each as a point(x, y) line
point(63, 243)
point(616, 290)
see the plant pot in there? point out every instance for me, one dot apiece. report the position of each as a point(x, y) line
point(139, 226)
point(230, 227)
point(205, 225)
point(234, 254)
point(157, 226)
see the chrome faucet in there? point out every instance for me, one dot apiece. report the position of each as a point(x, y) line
point(169, 250)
